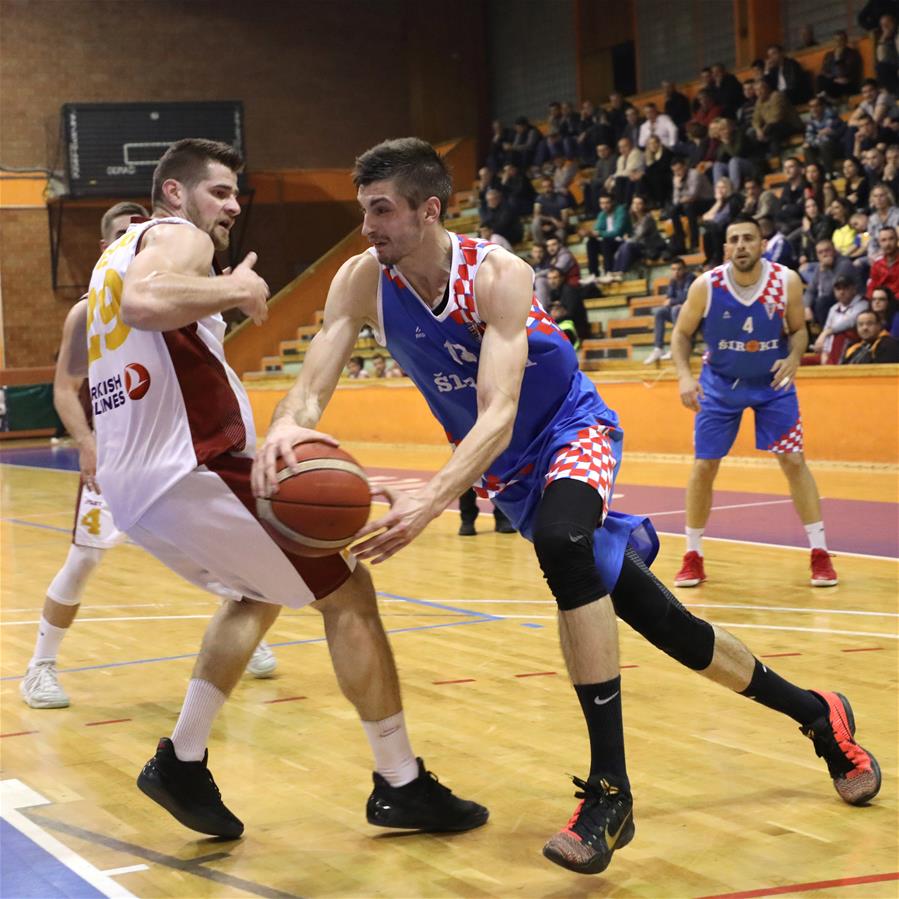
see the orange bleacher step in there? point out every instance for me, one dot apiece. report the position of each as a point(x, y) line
point(604, 348)
point(645, 305)
point(622, 327)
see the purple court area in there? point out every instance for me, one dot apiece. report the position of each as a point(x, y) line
point(858, 526)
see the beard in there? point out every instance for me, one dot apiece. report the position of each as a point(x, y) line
point(746, 264)
point(214, 230)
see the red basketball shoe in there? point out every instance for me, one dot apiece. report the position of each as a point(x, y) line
point(855, 772)
point(823, 574)
point(691, 572)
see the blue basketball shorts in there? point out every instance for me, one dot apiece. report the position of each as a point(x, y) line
point(778, 426)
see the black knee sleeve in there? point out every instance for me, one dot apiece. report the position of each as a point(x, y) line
point(650, 608)
point(563, 539)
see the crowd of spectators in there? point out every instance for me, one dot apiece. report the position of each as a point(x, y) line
point(661, 181)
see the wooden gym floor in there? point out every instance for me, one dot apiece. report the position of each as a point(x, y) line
point(730, 799)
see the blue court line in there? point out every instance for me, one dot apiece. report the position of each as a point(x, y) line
point(192, 655)
point(34, 524)
point(468, 613)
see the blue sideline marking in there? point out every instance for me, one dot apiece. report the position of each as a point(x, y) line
point(64, 458)
point(30, 872)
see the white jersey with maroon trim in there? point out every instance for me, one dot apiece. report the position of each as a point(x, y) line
point(164, 402)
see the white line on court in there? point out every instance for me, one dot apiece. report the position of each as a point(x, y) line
point(128, 869)
point(803, 833)
point(121, 618)
point(15, 795)
point(770, 502)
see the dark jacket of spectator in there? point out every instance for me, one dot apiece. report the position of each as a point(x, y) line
point(677, 107)
point(882, 349)
point(790, 78)
point(841, 71)
point(727, 90)
point(678, 288)
point(501, 219)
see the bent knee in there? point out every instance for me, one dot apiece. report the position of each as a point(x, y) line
point(565, 553)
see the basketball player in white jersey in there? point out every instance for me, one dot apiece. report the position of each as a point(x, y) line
point(175, 443)
point(93, 532)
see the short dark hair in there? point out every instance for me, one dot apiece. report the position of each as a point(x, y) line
point(415, 166)
point(187, 160)
point(886, 228)
point(557, 270)
point(843, 281)
point(872, 82)
point(115, 211)
point(677, 261)
point(742, 219)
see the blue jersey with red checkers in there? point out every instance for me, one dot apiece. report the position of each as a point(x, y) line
point(562, 427)
point(745, 338)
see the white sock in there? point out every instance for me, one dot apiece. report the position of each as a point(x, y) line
point(694, 540)
point(191, 733)
point(394, 759)
point(816, 538)
point(49, 636)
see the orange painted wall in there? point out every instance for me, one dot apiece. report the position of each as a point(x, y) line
point(847, 419)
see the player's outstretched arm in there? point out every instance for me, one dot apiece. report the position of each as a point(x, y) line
point(71, 370)
point(167, 286)
point(351, 301)
point(504, 288)
point(783, 372)
point(688, 322)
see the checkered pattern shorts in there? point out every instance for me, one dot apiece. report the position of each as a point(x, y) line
point(589, 459)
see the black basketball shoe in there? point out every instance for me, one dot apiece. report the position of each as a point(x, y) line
point(602, 823)
point(425, 804)
point(187, 791)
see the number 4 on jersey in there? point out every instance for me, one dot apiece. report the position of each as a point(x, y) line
point(91, 522)
point(747, 325)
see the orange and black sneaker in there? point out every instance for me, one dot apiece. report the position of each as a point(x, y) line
point(823, 574)
point(602, 823)
point(855, 772)
point(692, 572)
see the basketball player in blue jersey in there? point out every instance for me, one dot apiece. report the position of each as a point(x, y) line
point(530, 430)
point(753, 321)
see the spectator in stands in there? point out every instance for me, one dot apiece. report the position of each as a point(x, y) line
point(553, 145)
point(698, 149)
point(793, 193)
point(774, 119)
point(644, 241)
point(758, 202)
point(706, 110)
point(785, 75)
point(486, 180)
point(657, 180)
point(584, 119)
point(558, 255)
point(884, 214)
point(777, 247)
point(875, 345)
point(732, 156)
point(856, 188)
point(876, 102)
point(600, 132)
point(703, 83)
point(538, 259)
point(523, 146)
point(823, 134)
point(632, 125)
point(499, 139)
point(603, 172)
point(563, 172)
point(885, 269)
point(816, 226)
point(656, 124)
point(551, 213)
point(851, 240)
point(806, 38)
point(886, 53)
point(629, 170)
point(487, 233)
point(500, 218)
point(841, 71)
point(355, 368)
point(378, 366)
point(727, 90)
point(716, 218)
point(571, 298)
point(565, 324)
point(818, 186)
point(866, 136)
point(883, 302)
point(607, 234)
point(615, 112)
point(873, 164)
point(677, 106)
point(518, 190)
point(680, 282)
point(819, 295)
point(571, 119)
point(891, 169)
point(691, 196)
point(747, 109)
point(839, 328)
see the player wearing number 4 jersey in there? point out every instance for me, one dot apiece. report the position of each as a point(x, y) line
point(531, 432)
point(94, 530)
point(753, 322)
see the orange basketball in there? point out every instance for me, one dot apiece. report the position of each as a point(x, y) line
point(317, 510)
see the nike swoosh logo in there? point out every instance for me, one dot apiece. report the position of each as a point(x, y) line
point(599, 701)
point(576, 538)
point(612, 839)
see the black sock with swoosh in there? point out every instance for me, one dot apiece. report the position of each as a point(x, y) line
point(769, 689)
point(601, 705)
